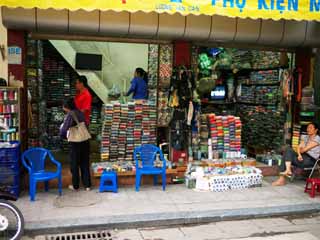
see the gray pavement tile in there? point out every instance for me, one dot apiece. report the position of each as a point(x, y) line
point(131, 234)
point(271, 222)
point(207, 231)
point(163, 234)
point(243, 228)
point(305, 221)
point(294, 236)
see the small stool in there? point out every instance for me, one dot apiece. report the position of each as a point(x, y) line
point(315, 186)
point(109, 182)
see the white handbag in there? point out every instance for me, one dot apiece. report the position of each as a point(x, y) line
point(79, 132)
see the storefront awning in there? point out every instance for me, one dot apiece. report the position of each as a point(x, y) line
point(266, 9)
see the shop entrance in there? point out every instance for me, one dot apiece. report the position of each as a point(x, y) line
point(51, 73)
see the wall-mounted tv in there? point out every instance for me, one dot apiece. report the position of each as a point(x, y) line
point(86, 61)
point(218, 93)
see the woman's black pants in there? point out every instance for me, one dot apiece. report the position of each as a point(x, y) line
point(79, 160)
point(290, 155)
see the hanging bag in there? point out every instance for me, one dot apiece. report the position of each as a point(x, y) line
point(79, 132)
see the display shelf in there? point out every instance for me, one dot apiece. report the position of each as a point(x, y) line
point(10, 114)
point(217, 102)
point(260, 84)
point(257, 104)
point(244, 70)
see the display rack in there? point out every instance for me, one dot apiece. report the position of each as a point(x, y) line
point(10, 114)
point(36, 123)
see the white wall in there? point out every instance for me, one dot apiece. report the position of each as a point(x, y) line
point(3, 41)
point(119, 60)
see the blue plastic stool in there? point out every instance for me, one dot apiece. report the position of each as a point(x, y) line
point(109, 182)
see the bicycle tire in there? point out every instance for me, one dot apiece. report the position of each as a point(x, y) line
point(18, 214)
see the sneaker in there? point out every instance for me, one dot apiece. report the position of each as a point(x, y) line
point(72, 188)
point(88, 189)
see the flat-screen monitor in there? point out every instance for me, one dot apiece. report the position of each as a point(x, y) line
point(85, 61)
point(218, 93)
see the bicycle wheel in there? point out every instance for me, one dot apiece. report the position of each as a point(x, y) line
point(11, 221)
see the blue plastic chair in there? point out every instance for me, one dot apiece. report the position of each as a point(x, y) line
point(147, 155)
point(34, 159)
point(109, 182)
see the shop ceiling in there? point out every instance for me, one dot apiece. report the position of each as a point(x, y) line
point(163, 26)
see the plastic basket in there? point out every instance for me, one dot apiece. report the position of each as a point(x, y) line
point(9, 168)
point(10, 155)
point(14, 190)
point(9, 180)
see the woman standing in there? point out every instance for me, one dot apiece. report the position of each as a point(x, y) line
point(139, 85)
point(307, 153)
point(79, 155)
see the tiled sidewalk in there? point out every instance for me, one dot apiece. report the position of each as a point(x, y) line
point(152, 206)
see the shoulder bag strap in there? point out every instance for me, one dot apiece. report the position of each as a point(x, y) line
point(74, 117)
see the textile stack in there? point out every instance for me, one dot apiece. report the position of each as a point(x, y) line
point(137, 125)
point(213, 131)
point(95, 121)
point(106, 132)
point(263, 129)
point(265, 59)
point(58, 81)
point(220, 145)
point(115, 131)
point(130, 132)
point(242, 59)
point(296, 136)
point(264, 77)
point(266, 94)
point(165, 72)
point(125, 127)
point(225, 133)
point(153, 71)
point(307, 99)
point(246, 94)
point(204, 135)
point(122, 132)
point(258, 94)
point(148, 124)
point(34, 60)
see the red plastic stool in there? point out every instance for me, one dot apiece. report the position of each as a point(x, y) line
point(315, 185)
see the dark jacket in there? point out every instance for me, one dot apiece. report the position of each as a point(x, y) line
point(69, 122)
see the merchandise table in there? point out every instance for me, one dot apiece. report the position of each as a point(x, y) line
point(222, 175)
point(129, 177)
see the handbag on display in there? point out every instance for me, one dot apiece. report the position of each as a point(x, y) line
point(79, 132)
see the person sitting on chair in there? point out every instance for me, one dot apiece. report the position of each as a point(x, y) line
point(307, 154)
